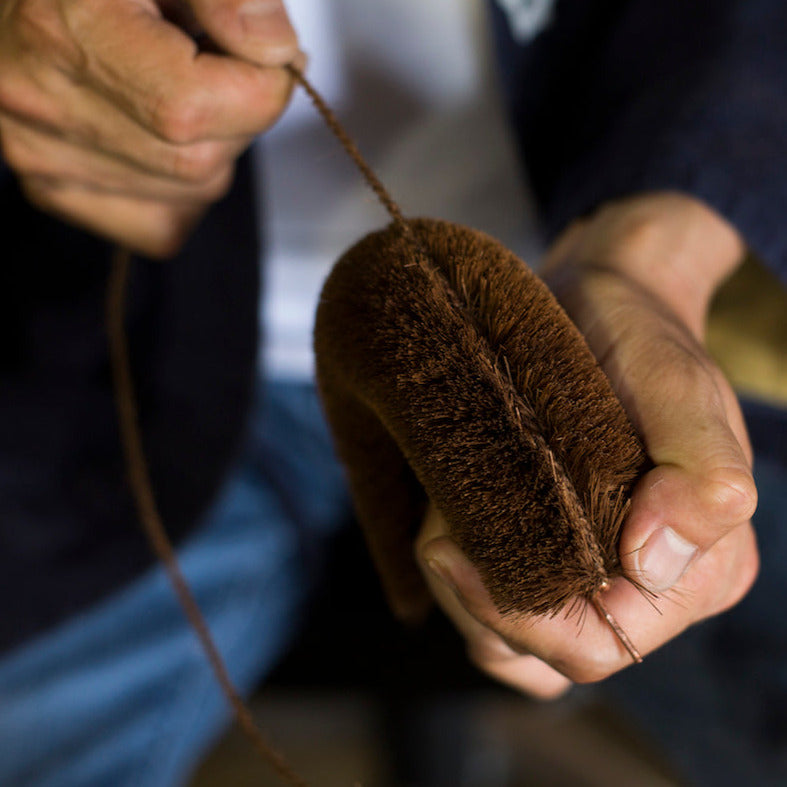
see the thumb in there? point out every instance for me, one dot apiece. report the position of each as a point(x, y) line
point(702, 486)
point(688, 416)
point(257, 30)
point(636, 278)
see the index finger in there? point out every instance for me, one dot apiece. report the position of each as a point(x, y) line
point(155, 73)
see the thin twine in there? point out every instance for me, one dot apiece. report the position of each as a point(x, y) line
point(139, 474)
point(352, 150)
point(139, 480)
point(136, 463)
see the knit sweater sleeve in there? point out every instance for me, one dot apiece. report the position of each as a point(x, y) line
point(622, 96)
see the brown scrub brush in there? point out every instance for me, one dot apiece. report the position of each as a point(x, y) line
point(448, 371)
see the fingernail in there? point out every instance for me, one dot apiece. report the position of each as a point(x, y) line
point(442, 572)
point(267, 18)
point(663, 559)
point(261, 8)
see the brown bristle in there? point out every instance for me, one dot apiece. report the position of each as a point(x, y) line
point(448, 370)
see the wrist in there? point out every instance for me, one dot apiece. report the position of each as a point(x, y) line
point(672, 245)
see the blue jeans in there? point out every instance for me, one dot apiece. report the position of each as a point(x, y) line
point(122, 695)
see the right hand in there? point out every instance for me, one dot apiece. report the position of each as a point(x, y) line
point(113, 119)
point(637, 278)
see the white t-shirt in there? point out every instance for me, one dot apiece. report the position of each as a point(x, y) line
point(414, 84)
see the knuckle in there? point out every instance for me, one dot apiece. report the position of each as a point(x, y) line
point(38, 193)
point(12, 92)
point(33, 158)
point(169, 233)
point(171, 226)
point(742, 581)
point(635, 232)
point(730, 494)
point(178, 119)
point(220, 185)
point(24, 100)
point(198, 163)
point(15, 154)
point(19, 95)
point(27, 161)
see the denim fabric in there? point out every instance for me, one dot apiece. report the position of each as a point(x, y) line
point(122, 695)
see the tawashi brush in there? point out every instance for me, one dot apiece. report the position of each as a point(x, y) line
point(448, 371)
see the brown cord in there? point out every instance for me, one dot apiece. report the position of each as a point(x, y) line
point(352, 150)
point(136, 464)
point(139, 476)
point(139, 479)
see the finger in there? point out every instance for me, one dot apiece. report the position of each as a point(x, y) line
point(527, 674)
point(489, 652)
point(702, 486)
point(433, 533)
point(258, 30)
point(583, 647)
point(674, 244)
point(485, 648)
point(34, 153)
point(96, 124)
point(155, 73)
point(148, 227)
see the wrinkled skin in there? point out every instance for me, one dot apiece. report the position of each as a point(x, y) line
point(114, 119)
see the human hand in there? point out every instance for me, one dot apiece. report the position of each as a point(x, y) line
point(114, 120)
point(637, 278)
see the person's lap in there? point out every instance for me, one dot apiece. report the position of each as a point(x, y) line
point(122, 694)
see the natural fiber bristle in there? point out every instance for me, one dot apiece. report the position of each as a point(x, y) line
point(448, 370)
